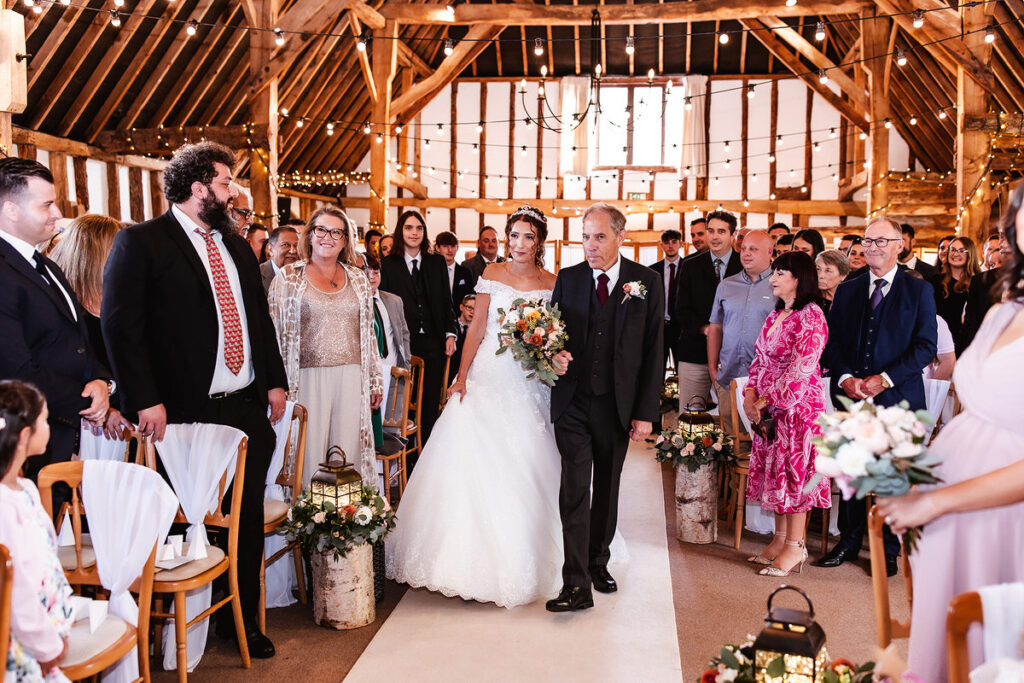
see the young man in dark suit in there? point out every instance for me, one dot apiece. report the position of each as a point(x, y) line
point(42, 332)
point(421, 280)
point(881, 335)
point(190, 337)
point(460, 280)
point(668, 269)
point(699, 276)
point(609, 391)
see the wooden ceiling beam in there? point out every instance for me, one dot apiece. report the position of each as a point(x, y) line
point(23, 136)
point(475, 42)
point(364, 58)
point(237, 60)
point(164, 140)
point(407, 56)
point(57, 35)
point(358, 107)
point(318, 64)
point(529, 14)
point(224, 25)
point(803, 47)
point(792, 61)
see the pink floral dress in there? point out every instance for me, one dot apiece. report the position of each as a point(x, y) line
point(786, 373)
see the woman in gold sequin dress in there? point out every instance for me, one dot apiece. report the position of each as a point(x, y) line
point(323, 311)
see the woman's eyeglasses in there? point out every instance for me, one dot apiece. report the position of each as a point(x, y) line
point(324, 232)
point(954, 250)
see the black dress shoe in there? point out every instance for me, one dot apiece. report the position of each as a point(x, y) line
point(836, 557)
point(260, 646)
point(891, 565)
point(571, 599)
point(603, 581)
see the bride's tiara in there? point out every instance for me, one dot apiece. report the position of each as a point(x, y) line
point(527, 210)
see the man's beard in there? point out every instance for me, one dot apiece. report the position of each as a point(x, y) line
point(217, 215)
point(904, 255)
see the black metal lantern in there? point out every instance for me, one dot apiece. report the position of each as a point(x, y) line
point(791, 647)
point(337, 482)
point(694, 420)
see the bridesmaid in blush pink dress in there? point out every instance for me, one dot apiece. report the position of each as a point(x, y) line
point(785, 378)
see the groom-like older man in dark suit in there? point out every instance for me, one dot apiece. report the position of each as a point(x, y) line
point(612, 372)
point(881, 334)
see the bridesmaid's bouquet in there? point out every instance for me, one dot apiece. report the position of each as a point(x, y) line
point(871, 449)
point(534, 331)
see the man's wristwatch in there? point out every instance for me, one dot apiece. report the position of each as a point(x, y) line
point(111, 387)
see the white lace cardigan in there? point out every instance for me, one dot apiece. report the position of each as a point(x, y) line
point(285, 309)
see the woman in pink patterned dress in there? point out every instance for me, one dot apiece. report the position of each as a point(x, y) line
point(785, 381)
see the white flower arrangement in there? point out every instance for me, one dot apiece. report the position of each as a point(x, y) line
point(634, 289)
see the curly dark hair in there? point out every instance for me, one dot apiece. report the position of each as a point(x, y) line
point(194, 163)
point(801, 266)
point(20, 406)
point(1011, 273)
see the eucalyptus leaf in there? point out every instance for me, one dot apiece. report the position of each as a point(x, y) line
point(776, 667)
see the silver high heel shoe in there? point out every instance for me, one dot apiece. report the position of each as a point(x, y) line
point(760, 558)
point(775, 571)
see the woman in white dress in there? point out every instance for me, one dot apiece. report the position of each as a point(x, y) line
point(479, 518)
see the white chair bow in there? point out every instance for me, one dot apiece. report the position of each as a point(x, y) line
point(935, 392)
point(195, 457)
point(280, 576)
point(129, 509)
point(92, 447)
point(1003, 607)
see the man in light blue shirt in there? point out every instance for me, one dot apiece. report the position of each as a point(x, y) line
point(742, 303)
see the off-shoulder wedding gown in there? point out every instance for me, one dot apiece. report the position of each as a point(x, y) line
point(479, 518)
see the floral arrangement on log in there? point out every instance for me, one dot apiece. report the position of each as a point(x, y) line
point(534, 331)
point(735, 664)
point(871, 449)
point(670, 395)
point(324, 528)
point(693, 448)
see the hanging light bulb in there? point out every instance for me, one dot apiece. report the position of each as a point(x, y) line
point(819, 31)
point(398, 130)
point(330, 128)
point(284, 111)
point(366, 127)
point(990, 35)
point(901, 57)
point(426, 145)
point(942, 114)
point(863, 135)
point(831, 132)
point(723, 38)
point(117, 3)
point(538, 47)
point(750, 92)
point(299, 123)
point(30, 3)
point(523, 152)
point(822, 76)
point(190, 28)
point(450, 8)
point(816, 147)
point(597, 70)
point(278, 37)
point(726, 146)
point(629, 45)
point(888, 123)
point(918, 18)
point(771, 158)
point(913, 120)
point(668, 87)
point(650, 74)
point(835, 176)
point(687, 103)
point(361, 44)
point(440, 129)
point(790, 3)
point(753, 178)
point(480, 127)
point(727, 163)
point(528, 121)
point(380, 138)
point(522, 87)
point(792, 173)
point(449, 47)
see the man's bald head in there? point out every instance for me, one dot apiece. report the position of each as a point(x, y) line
point(756, 252)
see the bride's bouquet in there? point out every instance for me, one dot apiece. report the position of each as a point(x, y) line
point(870, 449)
point(534, 331)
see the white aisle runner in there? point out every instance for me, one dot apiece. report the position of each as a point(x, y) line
point(627, 636)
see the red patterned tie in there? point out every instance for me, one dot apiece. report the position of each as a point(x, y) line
point(233, 348)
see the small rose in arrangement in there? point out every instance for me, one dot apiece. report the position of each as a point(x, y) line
point(634, 289)
point(323, 528)
point(683, 446)
point(872, 449)
point(534, 331)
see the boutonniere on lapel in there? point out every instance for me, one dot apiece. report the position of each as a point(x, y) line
point(634, 289)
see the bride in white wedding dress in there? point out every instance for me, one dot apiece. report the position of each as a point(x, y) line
point(479, 518)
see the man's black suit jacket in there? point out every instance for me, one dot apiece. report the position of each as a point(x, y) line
point(639, 323)
point(906, 341)
point(42, 343)
point(477, 265)
point(660, 267)
point(927, 270)
point(160, 319)
point(463, 284)
point(696, 283)
point(395, 278)
point(980, 298)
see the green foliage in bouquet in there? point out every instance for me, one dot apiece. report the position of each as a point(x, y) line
point(735, 664)
point(670, 395)
point(679, 447)
point(322, 527)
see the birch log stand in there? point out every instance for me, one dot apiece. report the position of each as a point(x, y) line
point(697, 505)
point(343, 589)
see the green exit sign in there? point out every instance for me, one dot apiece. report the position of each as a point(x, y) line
point(637, 196)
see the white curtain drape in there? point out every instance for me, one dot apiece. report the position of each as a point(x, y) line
point(194, 457)
point(1003, 607)
point(575, 93)
point(695, 126)
point(92, 447)
point(280, 576)
point(129, 509)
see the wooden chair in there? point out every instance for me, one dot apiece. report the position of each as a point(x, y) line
point(887, 627)
point(444, 384)
point(395, 449)
point(198, 573)
point(88, 654)
point(6, 583)
point(275, 512)
point(964, 610)
point(416, 405)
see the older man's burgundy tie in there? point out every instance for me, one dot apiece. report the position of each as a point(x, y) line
point(602, 288)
